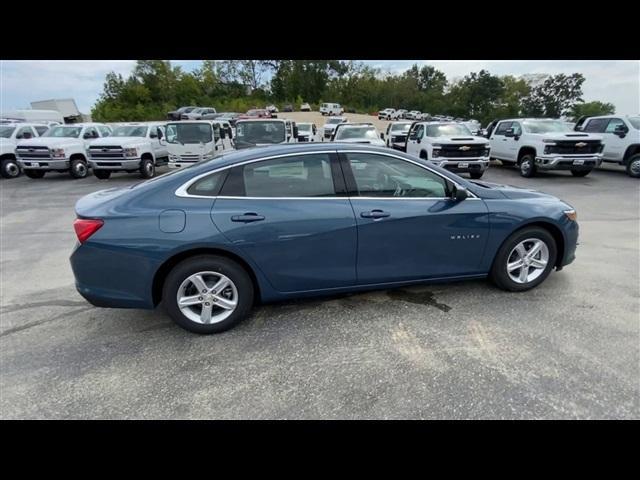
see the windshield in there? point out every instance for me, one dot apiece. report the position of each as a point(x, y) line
point(447, 130)
point(5, 132)
point(635, 122)
point(304, 127)
point(545, 126)
point(367, 132)
point(130, 131)
point(260, 132)
point(189, 133)
point(400, 127)
point(67, 132)
point(333, 121)
point(255, 112)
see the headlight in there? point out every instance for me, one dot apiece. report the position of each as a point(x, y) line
point(436, 151)
point(571, 214)
point(57, 152)
point(130, 152)
point(486, 151)
point(173, 157)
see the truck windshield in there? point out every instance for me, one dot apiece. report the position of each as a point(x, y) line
point(260, 132)
point(367, 132)
point(333, 121)
point(304, 127)
point(130, 131)
point(545, 126)
point(635, 122)
point(446, 130)
point(185, 132)
point(5, 132)
point(400, 127)
point(67, 132)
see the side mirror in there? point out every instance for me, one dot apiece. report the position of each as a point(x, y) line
point(418, 140)
point(223, 133)
point(382, 136)
point(159, 133)
point(620, 130)
point(509, 133)
point(295, 132)
point(460, 193)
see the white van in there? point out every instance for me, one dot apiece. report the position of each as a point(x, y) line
point(191, 141)
point(331, 109)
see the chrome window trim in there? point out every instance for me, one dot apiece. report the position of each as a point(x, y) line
point(181, 191)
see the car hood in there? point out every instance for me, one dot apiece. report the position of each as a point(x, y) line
point(511, 192)
point(51, 141)
point(119, 141)
point(567, 136)
point(7, 145)
point(461, 139)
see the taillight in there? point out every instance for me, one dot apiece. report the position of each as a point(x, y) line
point(85, 227)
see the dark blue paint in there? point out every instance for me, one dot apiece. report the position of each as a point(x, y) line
point(302, 247)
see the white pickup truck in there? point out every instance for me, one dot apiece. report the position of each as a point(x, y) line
point(449, 145)
point(62, 148)
point(545, 144)
point(10, 133)
point(134, 147)
point(387, 114)
point(621, 137)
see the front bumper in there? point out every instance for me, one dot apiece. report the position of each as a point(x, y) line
point(44, 164)
point(568, 162)
point(120, 164)
point(463, 164)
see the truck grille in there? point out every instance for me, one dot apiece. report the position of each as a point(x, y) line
point(27, 152)
point(106, 152)
point(571, 147)
point(398, 138)
point(190, 158)
point(459, 151)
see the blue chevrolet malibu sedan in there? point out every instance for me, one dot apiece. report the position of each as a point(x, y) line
point(282, 222)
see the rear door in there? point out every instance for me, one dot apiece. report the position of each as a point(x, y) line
point(408, 226)
point(291, 216)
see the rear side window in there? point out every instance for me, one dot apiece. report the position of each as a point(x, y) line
point(417, 132)
point(208, 186)
point(299, 176)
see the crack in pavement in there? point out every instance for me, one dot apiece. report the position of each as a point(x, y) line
point(19, 328)
point(50, 303)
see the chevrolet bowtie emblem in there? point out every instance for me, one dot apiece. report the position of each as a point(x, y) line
point(581, 144)
point(105, 149)
point(464, 148)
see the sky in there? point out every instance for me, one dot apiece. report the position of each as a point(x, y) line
point(21, 82)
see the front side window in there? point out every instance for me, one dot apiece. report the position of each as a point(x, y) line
point(41, 129)
point(417, 132)
point(613, 124)
point(597, 125)
point(104, 131)
point(502, 128)
point(384, 176)
point(296, 176)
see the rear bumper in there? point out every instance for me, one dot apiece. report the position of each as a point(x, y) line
point(568, 162)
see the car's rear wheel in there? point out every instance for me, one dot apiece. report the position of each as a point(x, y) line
point(34, 173)
point(102, 174)
point(9, 168)
point(208, 294)
point(524, 260)
point(580, 173)
point(527, 166)
point(633, 166)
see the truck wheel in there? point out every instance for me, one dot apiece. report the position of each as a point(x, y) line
point(633, 166)
point(147, 168)
point(476, 175)
point(34, 173)
point(527, 166)
point(9, 168)
point(78, 168)
point(102, 174)
point(580, 173)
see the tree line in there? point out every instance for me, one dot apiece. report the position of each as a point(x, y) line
point(156, 87)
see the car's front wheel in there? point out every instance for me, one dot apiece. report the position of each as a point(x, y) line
point(78, 168)
point(633, 166)
point(208, 294)
point(524, 260)
point(9, 168)
point(147, 168)
point(527, 166)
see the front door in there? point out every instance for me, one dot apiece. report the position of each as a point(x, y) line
point(291, 216)
point(409, 228)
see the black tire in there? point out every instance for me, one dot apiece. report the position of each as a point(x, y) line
point(34, 173)
point(499, 274)
point(9, 168)
point(580, 173)
point(78, 168)
point(633, 166)
point(476, 175)
point(213, 263)
point(424, 155)
point(147, 168)
point(102, 174)
point(527, 166)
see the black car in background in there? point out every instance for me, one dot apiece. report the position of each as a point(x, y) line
point(176, 114)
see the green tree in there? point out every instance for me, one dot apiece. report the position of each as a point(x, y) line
point(591, 109)
point(555, 97)
point(476, 96)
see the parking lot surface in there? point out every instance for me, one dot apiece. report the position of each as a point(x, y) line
point(567, 349)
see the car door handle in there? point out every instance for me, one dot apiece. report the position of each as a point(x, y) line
point(375, 214)
point(504, 139)
point(247, 218)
